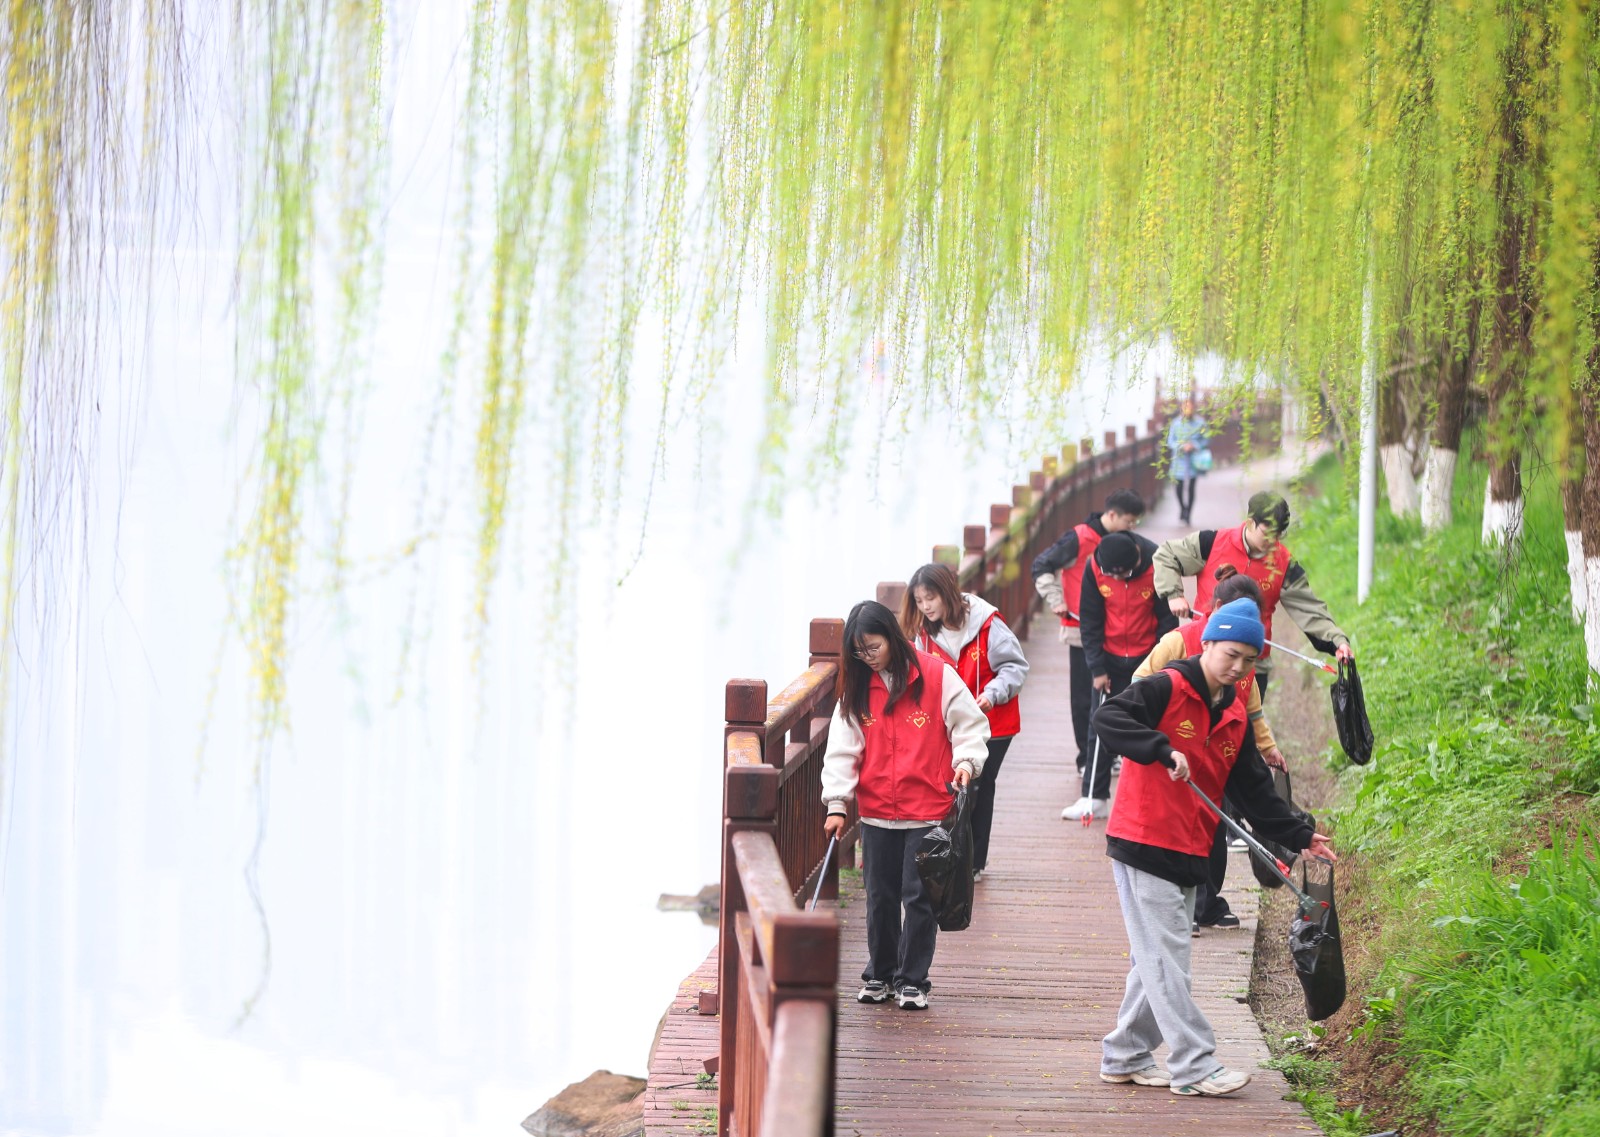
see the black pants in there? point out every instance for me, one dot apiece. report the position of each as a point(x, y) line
point(1079, 683)
point(1262, 677)
point(1121, 672)
point(983, 802)
point(1185, 496)
point(1209, 903)
point(898, 954)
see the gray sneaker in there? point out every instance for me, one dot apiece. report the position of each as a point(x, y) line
point(1215, 1084)
point(1151, 1075)
point(875, 991)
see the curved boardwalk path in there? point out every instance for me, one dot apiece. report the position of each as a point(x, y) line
point(1011, 1040)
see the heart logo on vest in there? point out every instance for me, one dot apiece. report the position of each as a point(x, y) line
point(1146, 594)
point(1105, 590)
point(975, 653)
point(918, 719)
point(1186, 729)
point(867, 720)
point(1227, 749)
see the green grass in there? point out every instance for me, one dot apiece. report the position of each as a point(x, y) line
point(1478, 868)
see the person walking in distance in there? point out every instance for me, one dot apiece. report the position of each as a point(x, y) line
point(1211, 908)
point(1257, 550)
point(904, 728)
point(1185, 722)
point(966, 632)
point(1058, 578)
point(1121, 618)
point(1185, 438)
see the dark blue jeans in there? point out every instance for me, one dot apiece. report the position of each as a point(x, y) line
point(899, 953)
point(983, 802)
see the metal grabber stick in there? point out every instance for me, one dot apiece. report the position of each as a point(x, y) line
point(827, 858)
point(1094, 764)
point(1307, 905)
point(1276, 646)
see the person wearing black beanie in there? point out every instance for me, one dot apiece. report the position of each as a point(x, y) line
point(1122, 620)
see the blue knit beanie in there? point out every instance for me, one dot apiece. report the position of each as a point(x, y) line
point(1238, 620)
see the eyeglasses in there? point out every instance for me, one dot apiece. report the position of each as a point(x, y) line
point(868, 654)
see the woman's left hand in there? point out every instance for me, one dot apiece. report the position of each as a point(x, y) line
point(962, 776)
point(985, 703)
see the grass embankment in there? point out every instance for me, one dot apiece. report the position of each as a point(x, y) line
point(1470, 891)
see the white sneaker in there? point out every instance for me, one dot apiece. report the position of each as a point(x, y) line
point(1214, 1085)
point(1238, 843)
point(1093, 807)
point(1151, 1075)
point(911, 999)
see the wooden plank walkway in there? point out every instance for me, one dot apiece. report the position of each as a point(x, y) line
point(1011, 1040)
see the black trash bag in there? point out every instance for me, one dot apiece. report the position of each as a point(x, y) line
point(1264, 874)
point(1350, 714)
point(1314, 943)
point(944, 862)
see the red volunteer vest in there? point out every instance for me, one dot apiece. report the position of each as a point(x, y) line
point(1193, 633)
point(1153, 809)
point(1072, 575)
point(1005, 720)
point(907, 760)
point(1130, 618)
point(1267, 571)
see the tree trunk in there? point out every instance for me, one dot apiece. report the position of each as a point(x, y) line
point(1456, 364)
point(1392, 449)
point(1572, 515)
point(1589, 510)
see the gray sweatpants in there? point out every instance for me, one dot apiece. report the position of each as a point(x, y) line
point(1157, 1005)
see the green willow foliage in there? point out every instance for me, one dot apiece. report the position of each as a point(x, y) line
point(969, 191)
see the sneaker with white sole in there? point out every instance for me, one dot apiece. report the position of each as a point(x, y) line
point(1151, 1075)
point(1093, 807)
point(874, 991)
point(911, 999)
point(1216, 1084)
point(977, 875)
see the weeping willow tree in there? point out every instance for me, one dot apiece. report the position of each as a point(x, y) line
point(980, 188)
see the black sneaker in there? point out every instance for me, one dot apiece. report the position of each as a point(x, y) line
point(874, 991)
point(1222, 920)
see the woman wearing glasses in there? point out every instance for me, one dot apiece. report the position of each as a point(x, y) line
point(905, 726)
point(966, 632)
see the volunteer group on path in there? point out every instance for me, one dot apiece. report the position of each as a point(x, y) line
point(1039, 1017)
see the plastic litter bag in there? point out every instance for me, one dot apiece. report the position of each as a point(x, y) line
point(1264, 875)
point(1315, 945)
point(1350, 714)
point(944, 862)
point(1201, 461)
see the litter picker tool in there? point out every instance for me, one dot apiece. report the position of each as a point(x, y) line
point(827, 858)
point(1094, 766)
point(1307, 904)
point(1276, 646)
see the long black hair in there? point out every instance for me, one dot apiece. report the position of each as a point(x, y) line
point(869, 618)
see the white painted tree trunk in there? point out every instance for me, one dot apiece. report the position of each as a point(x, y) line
point(1437, 481)
point(1404, 499)
point(1591, 619)
point(1502, 520)
point(1577, 574)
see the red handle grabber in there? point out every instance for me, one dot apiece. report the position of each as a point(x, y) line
point(1307, 904)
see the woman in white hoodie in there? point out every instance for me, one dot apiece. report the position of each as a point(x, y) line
point(966, 631)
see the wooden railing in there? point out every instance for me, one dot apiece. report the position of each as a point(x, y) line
point(778, 964)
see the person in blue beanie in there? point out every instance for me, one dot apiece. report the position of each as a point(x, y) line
point(1189, 719)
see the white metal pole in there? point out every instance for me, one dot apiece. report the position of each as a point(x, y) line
point(1366, 531)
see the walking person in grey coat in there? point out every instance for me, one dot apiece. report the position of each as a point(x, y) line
point(1185, 438)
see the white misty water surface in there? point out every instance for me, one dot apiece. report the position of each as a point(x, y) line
point(457, 865)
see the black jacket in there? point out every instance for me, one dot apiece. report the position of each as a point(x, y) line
point(1092, 612)
point(1065, 550)
point(1127, 724)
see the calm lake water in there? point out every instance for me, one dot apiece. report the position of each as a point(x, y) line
point(432, 902)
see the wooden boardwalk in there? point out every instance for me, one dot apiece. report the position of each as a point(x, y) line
point(1011, 1040)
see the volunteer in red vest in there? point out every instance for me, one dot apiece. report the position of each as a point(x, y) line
point(1187, 721)
point(905, 727)
point(1121, 619)
point(1211, 908)
point(966, 632)
point(1256, 549)
point(1058, 576)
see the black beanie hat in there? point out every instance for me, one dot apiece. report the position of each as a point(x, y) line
point(1118, 552)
